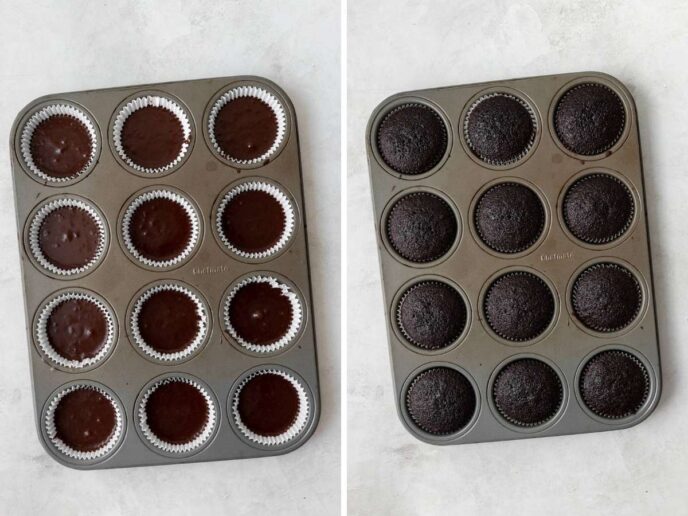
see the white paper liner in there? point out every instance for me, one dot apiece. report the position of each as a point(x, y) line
point(172, 196)
point(296, 315)
point(35, 229)
point(65, 449)
point(43, 115)
point(177, 355)
point(41, 331)
point(151, 101)
point(293, 431)
point(261, 94)
point(279, 196)
point(184, 447)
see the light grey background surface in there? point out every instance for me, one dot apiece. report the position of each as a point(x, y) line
point(48, 47)
point(395, 46)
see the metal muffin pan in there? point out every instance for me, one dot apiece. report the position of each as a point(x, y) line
point(202, 176)
point(557, 257)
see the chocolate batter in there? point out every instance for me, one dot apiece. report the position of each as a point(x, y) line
point(60, 146)
point(253, 221)
point(85, 419)
point(69, 237)
point(152, 137)
point(77, 329)
point(260, 313)
point(268, 404)
point(168, 321)
point(177, 412)
point(245, 128)
point(160, 229)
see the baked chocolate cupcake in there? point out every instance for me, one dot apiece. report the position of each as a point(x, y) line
point(614, 384)
point(598, 208)
point(421, 227)
point(527, 392)
point(412, 139)
point(606, 297)
point(270, 407)
point(67, 236)
point(509, 218)
point(83, 422)
point(431, 315)
point(169, 322)
point(500, 128)
point(589, 119)
point(262, 314)
point(160, 228)
point(177, 415)
point(59, 143)
point(152, 134)
point(441, 401)
point(518, 306)
point(255, 220)
point(247, 125)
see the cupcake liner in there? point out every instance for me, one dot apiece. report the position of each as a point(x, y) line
point(646, 375)
point(501, 249)
point(618, 234)
point(296, 315)
point(151, 101)
point(279, 196)
point(600, 150)
point(602, 266)
point(183, 448)
point(41, 331)
point(172, 196)
point(261, 94)
point(70, 452)
point(177, 355)
point(43, 115)
point(35, 227)
point(531, 142)
point(487, 297)
point(516, 422)
point(293, 431)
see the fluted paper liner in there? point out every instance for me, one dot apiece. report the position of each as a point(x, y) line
point(279, 196)
point(297, 426)
point(151, 101)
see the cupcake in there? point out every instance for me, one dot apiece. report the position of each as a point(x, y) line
point(75, 330)
point(614, 384)
point(262, 314)
point(606, 297)
point(589, 119)
point(59, 143)
point(598, 208)
point(412, 139)
point(270, 407)
point(431, 315)
point(421, 227)
point(67, 236)
point(169, 322)
point(500, 128)
point(152, 134)
point(441, 401)
point(518, 306)
point(84, 422)
point(160, 228)
point(247, 125)
point(509, 218)
point(177, 415)
point(527, 392)
point(255, 220)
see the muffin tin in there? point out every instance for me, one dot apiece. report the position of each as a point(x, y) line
point(118, 279)
point(460, 176)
